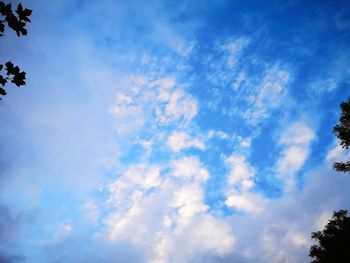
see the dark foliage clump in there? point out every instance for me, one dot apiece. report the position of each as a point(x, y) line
point(334, 241)
point(15, 20)
point(342, 131)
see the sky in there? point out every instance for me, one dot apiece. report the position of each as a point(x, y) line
point(173, 131)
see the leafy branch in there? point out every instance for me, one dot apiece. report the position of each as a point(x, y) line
point(342, 131)
point(13, 74)
point(15, 20)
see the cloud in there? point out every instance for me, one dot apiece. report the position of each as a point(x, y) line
point(282, 231)
point(297, 134)
point(179, 106)
point(247, 202)
point(337, 154)
point(178, 141)
point(220, 134)
point(297, 138)
point(191, 168)
point(240, 183)
point(246, 143)
point(172, 221)
point(144, 97)
point(269, 96)
point(103, 147)
point(234, 49)
point(241, 174)
point(11, 223)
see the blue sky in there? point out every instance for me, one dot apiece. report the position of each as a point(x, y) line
point(173, 131)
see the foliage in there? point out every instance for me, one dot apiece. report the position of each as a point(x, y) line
point(342, 131)
point(16, 21)
point(334, 241)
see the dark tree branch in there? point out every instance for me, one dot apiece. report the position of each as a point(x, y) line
point(342, 131)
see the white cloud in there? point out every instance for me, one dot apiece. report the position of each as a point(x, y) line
point(220, 134)
point(338, 154)
point(298, 239)
point(293, 158)
point(234, 49)
point(297, 133)
point(184, 49)
point(179, 106)
point(239, 80)
point(269, 94)
point(189, 168)
point(171, 221)
point(244, 142)
point(244, 201)
point(212, 235)
point(127, 109)
point(297, 139)
point(241, 174)
point(141, 175)
point(240, 184)
point(142, 97)
point(178, 141)
point(188, 201)
point(322, 220)
point(282, 231)
point(145, 176)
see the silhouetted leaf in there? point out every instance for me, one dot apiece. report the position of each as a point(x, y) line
point(2, 27)
point(23, 14)
point(19, 79)
point(2, 92)
point(7, 9)
point(2, 80)
point(9, 67)
point(19, 8)
point(23, 31)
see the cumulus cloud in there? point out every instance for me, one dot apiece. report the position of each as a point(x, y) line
point(240, 182)
point(171, 216)
point(241, 174)
point(191, 168)
point(243, 201)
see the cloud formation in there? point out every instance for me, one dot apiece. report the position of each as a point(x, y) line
point(172, 132)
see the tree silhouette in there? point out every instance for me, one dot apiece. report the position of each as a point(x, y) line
point(334, 241)
point(342, 131)
point(16, 21)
